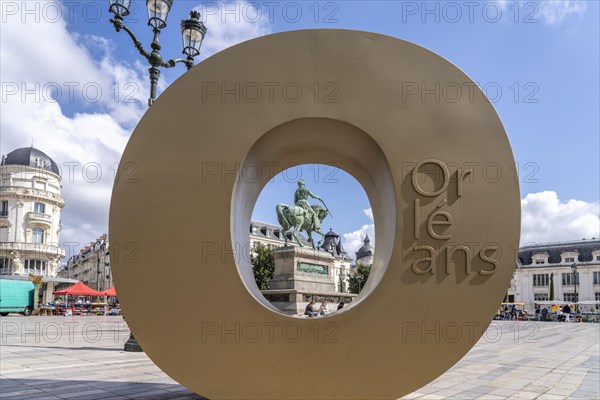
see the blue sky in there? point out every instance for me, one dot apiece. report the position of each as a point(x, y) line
point(538, 62)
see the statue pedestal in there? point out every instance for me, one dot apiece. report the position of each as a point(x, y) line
point(302, 275)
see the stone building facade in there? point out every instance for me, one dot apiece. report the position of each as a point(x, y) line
point(91, 266)
point(571, 270)
point(30, 207)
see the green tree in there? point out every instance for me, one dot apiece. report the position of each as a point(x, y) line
point(551, 287)
point(358, 280)
point(342, 284)
point(263, 266)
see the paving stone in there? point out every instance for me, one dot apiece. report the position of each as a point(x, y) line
point(545, 361)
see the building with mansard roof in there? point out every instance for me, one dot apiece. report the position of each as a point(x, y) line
point(30, 207)
point(564, 271)
point(341, 262)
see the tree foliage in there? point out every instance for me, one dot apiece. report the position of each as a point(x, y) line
point(358, 280)
point(263, 266)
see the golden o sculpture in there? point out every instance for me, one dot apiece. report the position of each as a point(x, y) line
point(414, 130)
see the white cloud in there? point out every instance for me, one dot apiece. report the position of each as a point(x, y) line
point(230, 23)
point(546, 219)
point(556, 11)
point(352, 241)
point(551, 12)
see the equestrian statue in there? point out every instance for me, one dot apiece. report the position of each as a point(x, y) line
point(302, 216)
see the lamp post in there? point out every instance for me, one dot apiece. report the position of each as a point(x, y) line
point(574, 268)
point(192, 31)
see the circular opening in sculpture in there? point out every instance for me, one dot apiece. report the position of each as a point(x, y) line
point(312, 240)
point(310, 146)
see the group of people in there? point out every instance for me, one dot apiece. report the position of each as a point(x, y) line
point(563, 314)
point(311, 311)
point(511, 314)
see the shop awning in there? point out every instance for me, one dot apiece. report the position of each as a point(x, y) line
point(110, 292)
point(78, 289)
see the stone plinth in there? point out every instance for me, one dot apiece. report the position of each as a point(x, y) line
point(302, 275)
point(303, 269)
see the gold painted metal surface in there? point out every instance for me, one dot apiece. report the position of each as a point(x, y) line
point(435, 165)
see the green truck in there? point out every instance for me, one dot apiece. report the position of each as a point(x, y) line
point(16, 297)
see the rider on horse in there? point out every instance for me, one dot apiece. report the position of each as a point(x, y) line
point(301, 199)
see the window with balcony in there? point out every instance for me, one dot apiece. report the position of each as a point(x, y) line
point(5, 266)
point(39, 208)
point(36, 267)
point(597, 296)
point(570, 279)
point(4, 208)
point(37, 235)
point(541, 280)
point(596, 277)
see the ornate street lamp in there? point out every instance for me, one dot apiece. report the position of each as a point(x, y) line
point(192, 31)
point(574, 268)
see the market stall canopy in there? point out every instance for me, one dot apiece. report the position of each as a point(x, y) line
point(110, 292)
point(78, 289)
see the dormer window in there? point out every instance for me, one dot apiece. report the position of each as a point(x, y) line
point(254, 230)
point(569, 257)
point(539, 258)
point(268, 233)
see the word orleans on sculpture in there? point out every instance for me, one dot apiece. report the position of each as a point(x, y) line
point(439, 223)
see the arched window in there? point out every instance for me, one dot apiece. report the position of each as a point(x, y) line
point(37, 235)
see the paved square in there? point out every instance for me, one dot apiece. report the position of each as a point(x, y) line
point(83, 358)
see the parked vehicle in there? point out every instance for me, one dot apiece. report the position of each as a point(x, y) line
point(16, 297)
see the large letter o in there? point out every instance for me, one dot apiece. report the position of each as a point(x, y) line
point(188, 213)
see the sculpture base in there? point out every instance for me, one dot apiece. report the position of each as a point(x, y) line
point(303, 269)
point(293, 302)
point(132, 345)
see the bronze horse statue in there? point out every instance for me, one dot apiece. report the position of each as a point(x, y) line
point(295, 217)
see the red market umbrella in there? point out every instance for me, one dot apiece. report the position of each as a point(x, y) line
point(78, 289)
point(110, 292)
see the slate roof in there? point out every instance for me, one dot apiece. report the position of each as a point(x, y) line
point(366, 249)
point(276, 233)
point(27, 156)
point(333, 244)
point(554, 250)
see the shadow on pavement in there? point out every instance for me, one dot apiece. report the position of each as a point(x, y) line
point(85, 389)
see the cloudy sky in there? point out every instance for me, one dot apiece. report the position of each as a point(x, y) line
point(76, 89)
